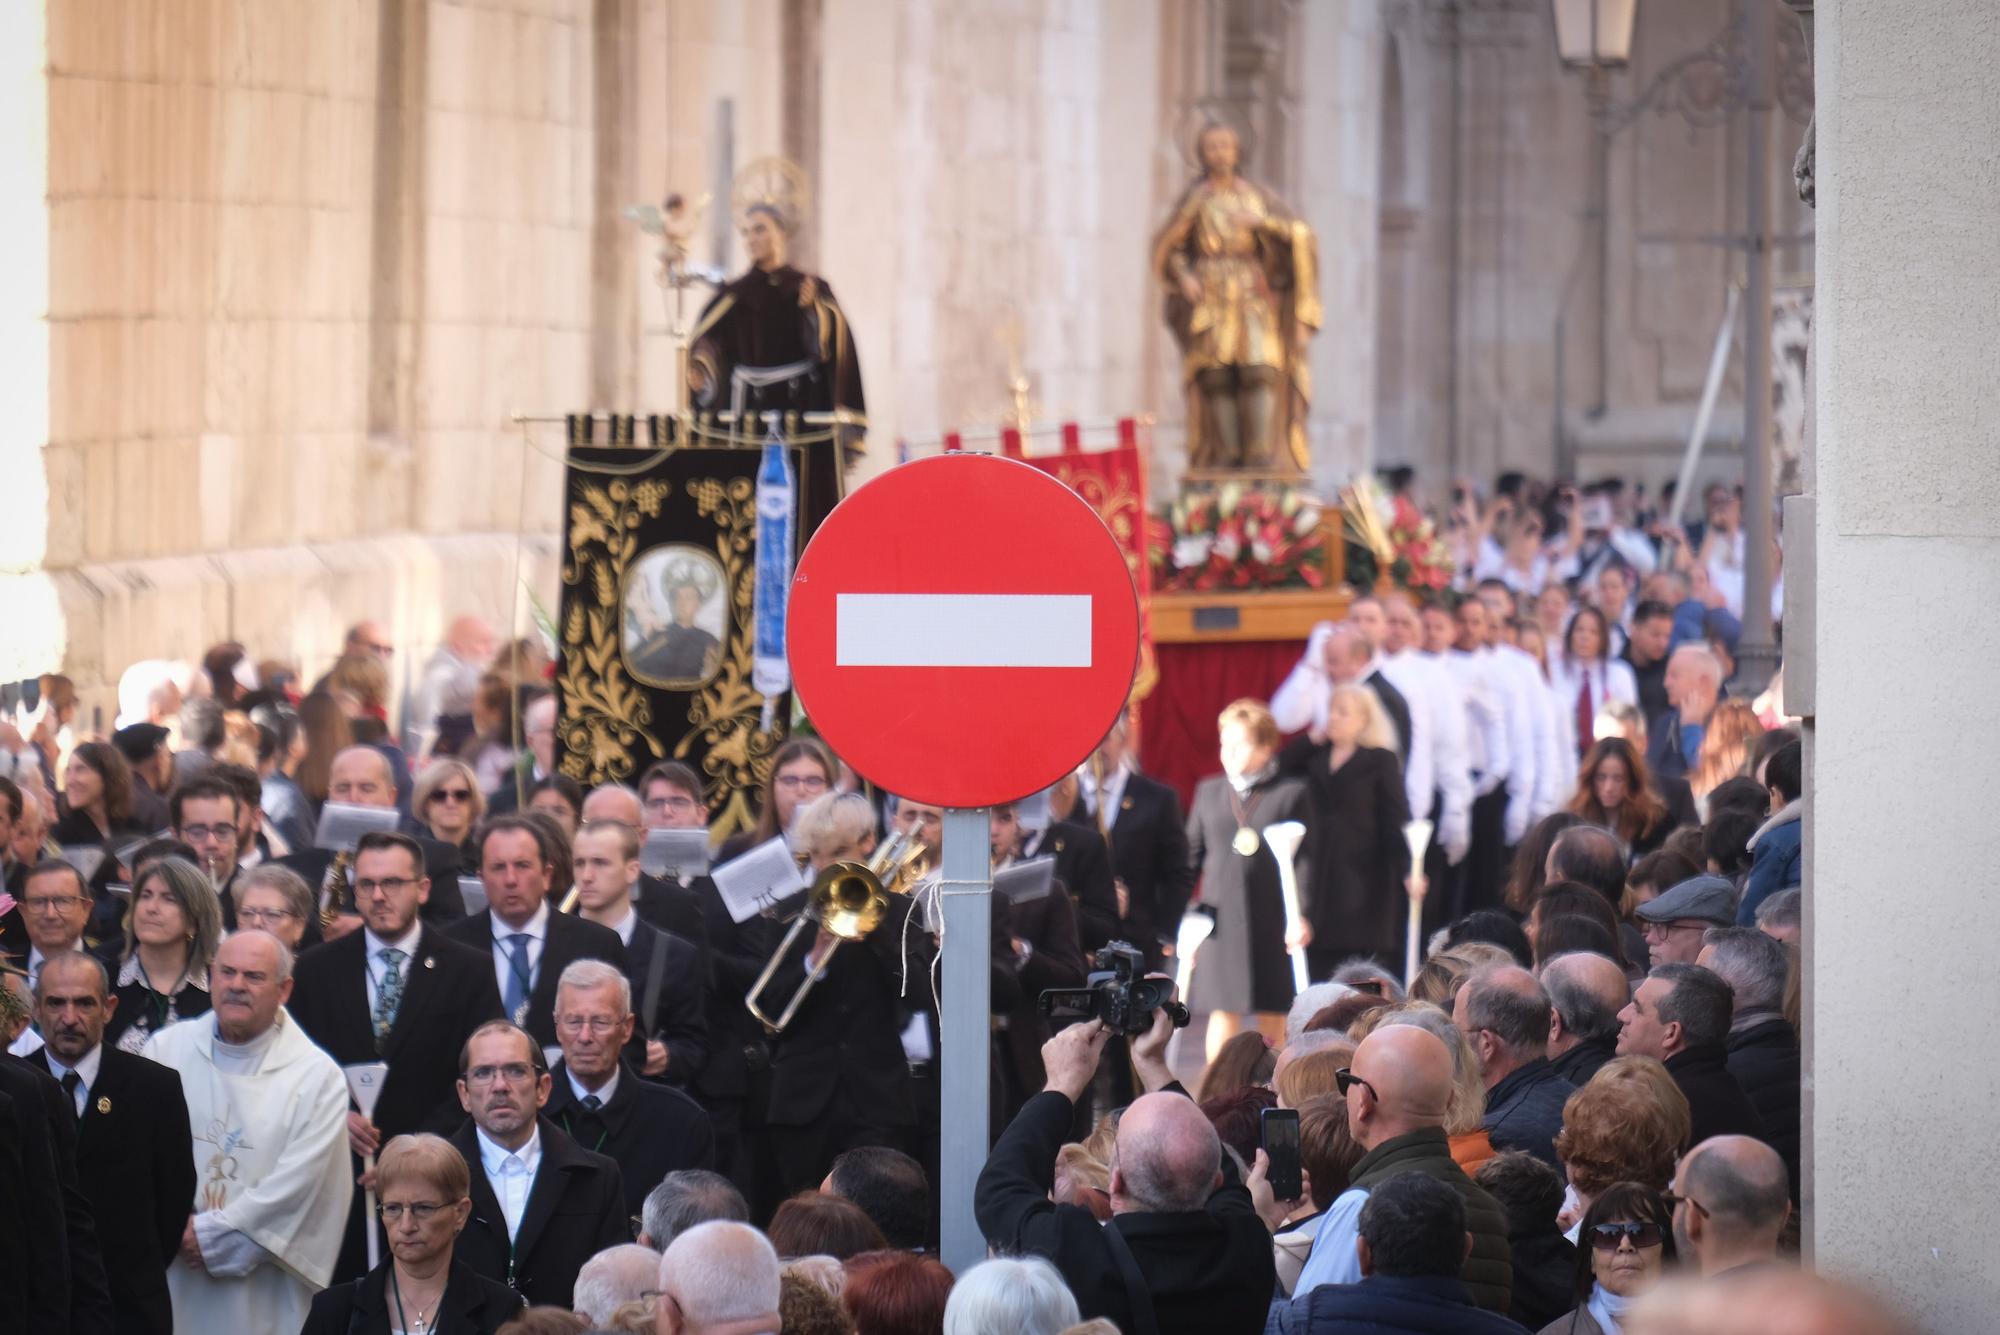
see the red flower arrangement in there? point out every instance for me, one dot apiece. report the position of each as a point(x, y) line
point(1238, 537)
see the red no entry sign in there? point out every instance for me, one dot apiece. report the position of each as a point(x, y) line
point(963, 630)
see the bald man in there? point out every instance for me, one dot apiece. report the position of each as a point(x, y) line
point(1178, 1213)
point(1586, 992)
point(1505, 1016)
point(361, 776)
point(1732, 1198)
point(1398, 1088)
point(441, 718)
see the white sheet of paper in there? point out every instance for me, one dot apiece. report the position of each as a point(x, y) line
point(86, 858)
point(342, 824)
point(681, 854)
point(551, 1055)
point(759, 879)
point(364, 1082)
point(473, 891)
point(1026, 881)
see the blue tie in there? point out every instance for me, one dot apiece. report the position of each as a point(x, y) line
point(518, 977)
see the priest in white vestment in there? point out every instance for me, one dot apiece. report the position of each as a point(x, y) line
point(272, 1180)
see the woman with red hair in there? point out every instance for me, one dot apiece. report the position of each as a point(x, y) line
point(896, 1293)
point(1613, 789)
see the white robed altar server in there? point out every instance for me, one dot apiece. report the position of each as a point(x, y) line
point(272, 1181)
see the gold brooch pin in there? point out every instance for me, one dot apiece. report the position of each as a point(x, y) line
point(104, 1104)
point(430, 962)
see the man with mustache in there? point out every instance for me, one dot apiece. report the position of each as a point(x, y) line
point(542, 1205)
point(135, 1154)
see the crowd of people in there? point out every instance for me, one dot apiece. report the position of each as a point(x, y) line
point(481, 1071)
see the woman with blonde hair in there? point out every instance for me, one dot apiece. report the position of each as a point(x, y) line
point(450, 805)
point(1243, 974)
point(1359, 858)
point(1733, 729)
point(839, 1074)
point(423, 1191)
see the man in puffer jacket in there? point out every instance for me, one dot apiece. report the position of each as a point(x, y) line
point(1774, 849)
point(1397, 1089)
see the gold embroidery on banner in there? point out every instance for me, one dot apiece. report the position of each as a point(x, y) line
point(605, 713)
point(726, 713)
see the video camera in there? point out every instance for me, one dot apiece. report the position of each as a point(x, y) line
point(1118, 992)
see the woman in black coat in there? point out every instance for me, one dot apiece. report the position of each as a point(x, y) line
point(1359, 859)
point(425, 1190)
point(1244, 971)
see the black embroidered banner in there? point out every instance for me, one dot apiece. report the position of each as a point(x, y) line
point(655, 632)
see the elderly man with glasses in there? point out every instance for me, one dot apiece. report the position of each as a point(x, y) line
point(55, 909)
point(542, 1204)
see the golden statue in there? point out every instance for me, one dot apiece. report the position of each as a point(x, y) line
point(1242, 280)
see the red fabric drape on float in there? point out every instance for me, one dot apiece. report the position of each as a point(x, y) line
point(1177, 741)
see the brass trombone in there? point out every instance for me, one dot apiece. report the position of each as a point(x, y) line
point(849, 900)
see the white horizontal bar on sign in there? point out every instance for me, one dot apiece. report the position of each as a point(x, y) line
point(962, 630)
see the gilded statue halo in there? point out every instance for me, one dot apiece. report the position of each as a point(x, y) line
point(1200, 117)
point(778, 183)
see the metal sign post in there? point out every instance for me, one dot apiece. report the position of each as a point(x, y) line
point(965, 892)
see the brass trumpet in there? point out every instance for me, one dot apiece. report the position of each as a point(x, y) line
point(849, 900)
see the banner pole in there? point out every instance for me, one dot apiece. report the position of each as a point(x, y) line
point(965, 904)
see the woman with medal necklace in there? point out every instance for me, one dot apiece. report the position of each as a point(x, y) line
point(1243, 973)
point(425, 1191)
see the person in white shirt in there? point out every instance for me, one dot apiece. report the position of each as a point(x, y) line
point(1437, 777)
point(1451, 642)
point(1586, 677)
point(1508, 676)
point(268, 1112)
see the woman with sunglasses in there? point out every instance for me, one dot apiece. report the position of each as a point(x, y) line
point(1623, 1248)
point(450, 805)
point(424, 1194)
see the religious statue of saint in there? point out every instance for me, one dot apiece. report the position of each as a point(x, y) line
point(1242, 282)
point(775, 339)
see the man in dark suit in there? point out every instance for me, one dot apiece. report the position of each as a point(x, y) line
point(135, 1156)
point(55, 907)
point(542, 1205)
point(670, 1033)
point(1142, 822)
point(1083, 867)
point(1182, 1226)
point(207, 817)
point(662, 901)
point(361, 776)
point(398, 991)
point(1039, 947)
point(648, 1129)
point(529, 943)
point(1646, 654)
point(738, 1056)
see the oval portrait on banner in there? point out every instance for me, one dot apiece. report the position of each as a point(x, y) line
point(676, 616)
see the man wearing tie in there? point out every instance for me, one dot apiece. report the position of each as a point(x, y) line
point(644, 1127)
point(1141, 819)
point(531, 944)
point(542, 1205)
point(135, 1154)
point(398, 992)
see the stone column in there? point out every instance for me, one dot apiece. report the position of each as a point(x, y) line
point(1900, 838)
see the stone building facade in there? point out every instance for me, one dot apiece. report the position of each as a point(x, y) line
point(286, 269)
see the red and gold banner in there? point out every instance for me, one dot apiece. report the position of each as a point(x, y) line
point(1113, 481)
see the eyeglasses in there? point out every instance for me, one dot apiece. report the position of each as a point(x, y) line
point(801, 783)
point(388, 885)
point(1669, 928)
point(452, 795)
point(421, 1211)
point(201, 834)
point(51, 903)
point(677, 805)
point(514, 1073)
point(258, 917)
point(1345, 1079)
point(1605, 1237)
point(1689, 1201)
point(576, 1024)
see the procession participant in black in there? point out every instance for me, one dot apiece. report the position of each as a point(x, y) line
point(661, 900)
point(669, 981)
point(1140, 819)
point(1040, 946)
point(542, 1205)
point(361, 776)
point(648, 1129)
point(530, 944)
point(1242, 972)
point(401, 992)
point(135, 1156)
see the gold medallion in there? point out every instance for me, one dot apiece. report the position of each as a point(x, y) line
point(104, 1104)
point(1245, 841)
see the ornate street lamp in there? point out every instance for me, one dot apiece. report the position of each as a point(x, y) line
point(1594, 34)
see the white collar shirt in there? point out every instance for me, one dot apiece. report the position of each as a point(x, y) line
point(1114, 791)
point(86, 1071)
point(536, 929)
point(603, 1095)
point(511, 1174)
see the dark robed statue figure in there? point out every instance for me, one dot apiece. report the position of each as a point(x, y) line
point(772, 320)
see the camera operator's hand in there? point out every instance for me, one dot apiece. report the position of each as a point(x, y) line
point(1149, 1050)
point(1270, 1209)
point(1070, 1058)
